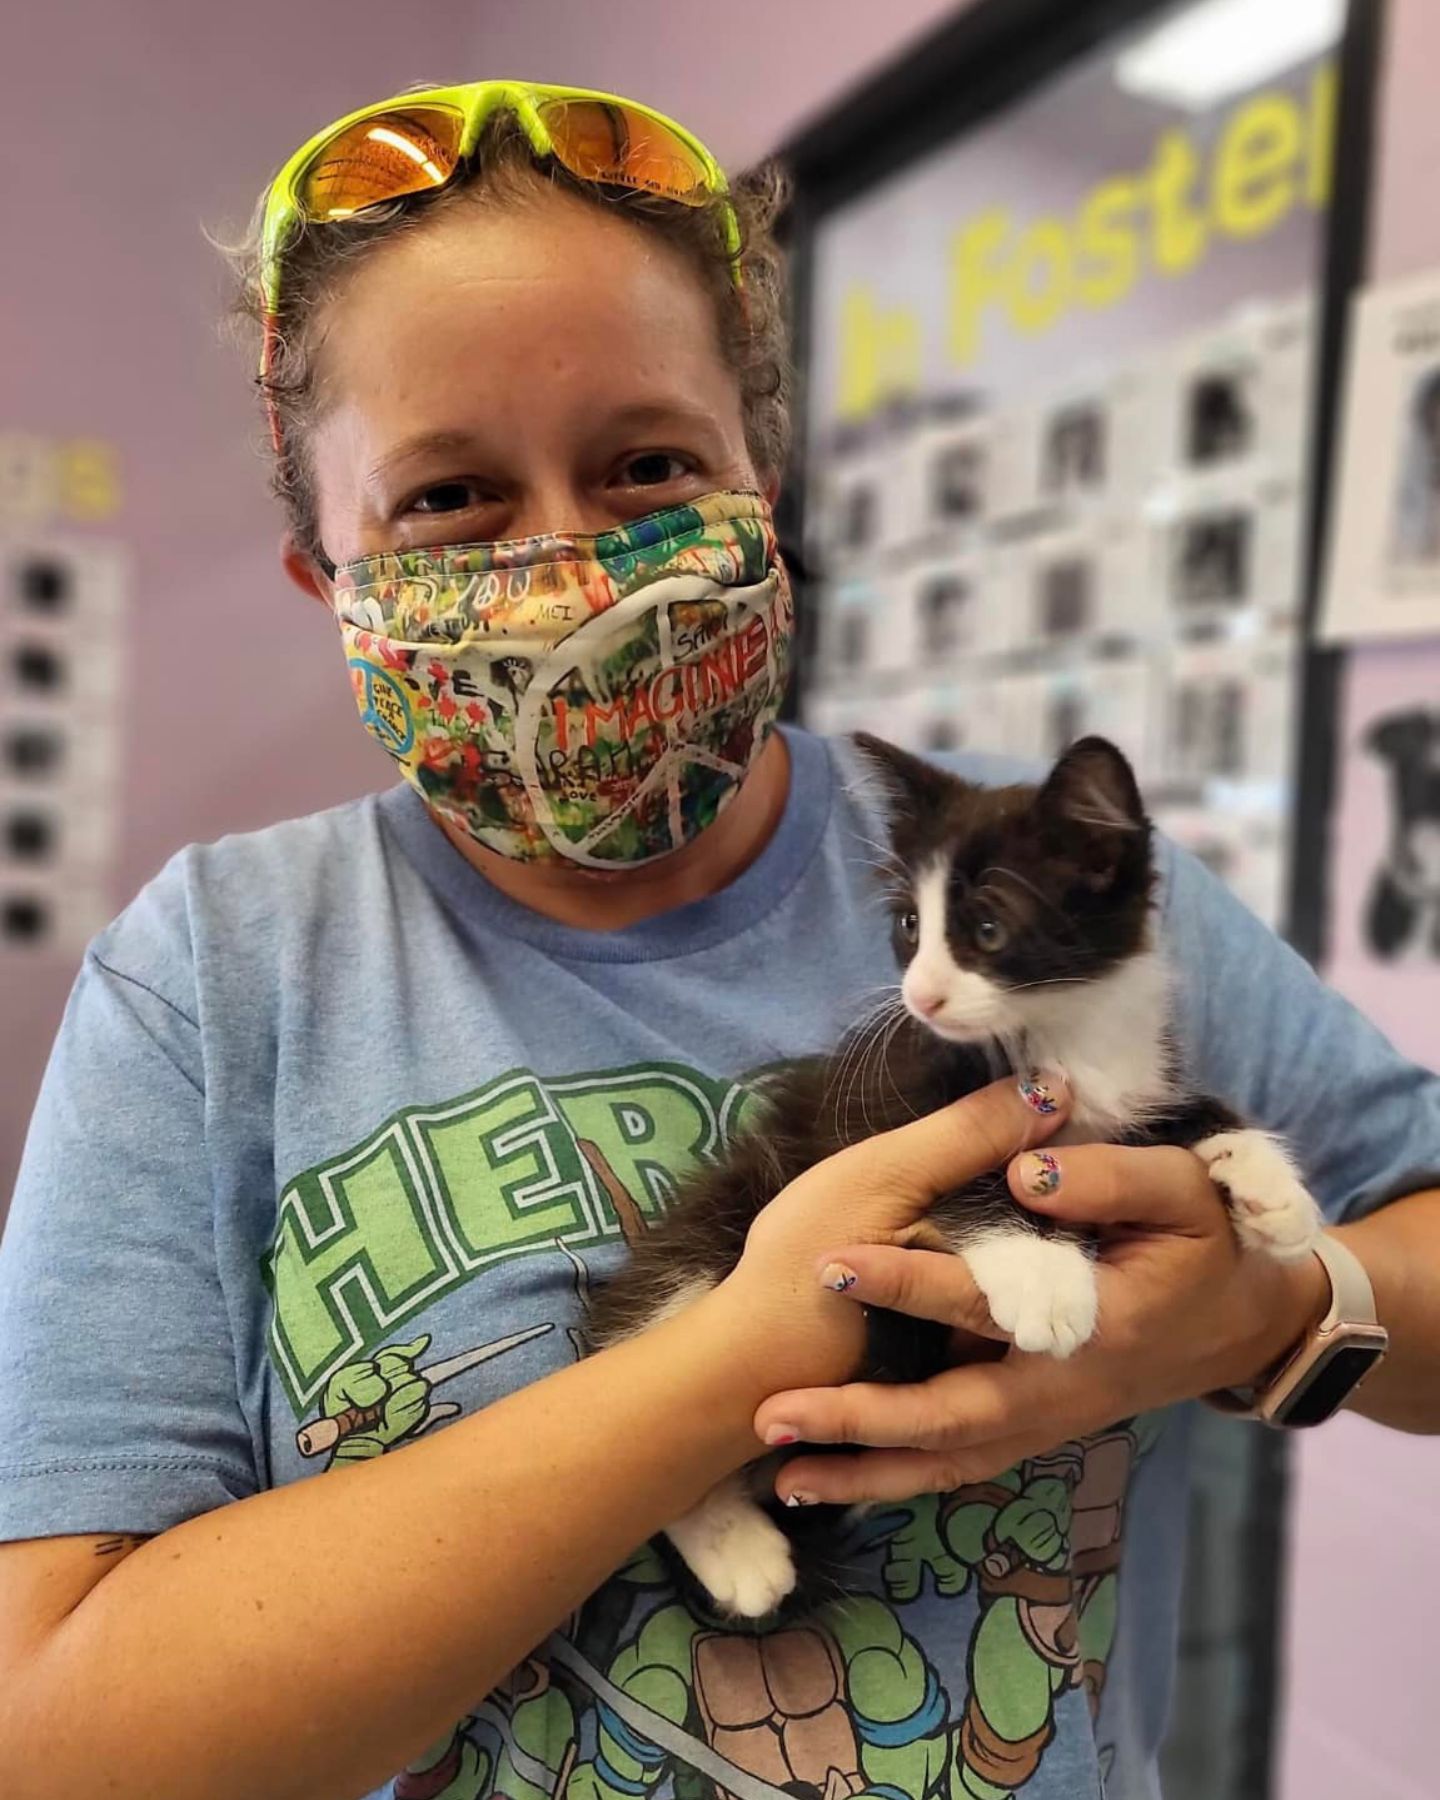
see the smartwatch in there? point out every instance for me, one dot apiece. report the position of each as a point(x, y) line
point(1318, 1376)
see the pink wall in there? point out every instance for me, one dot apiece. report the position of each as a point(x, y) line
point(742, 73)
point(1365, 1562)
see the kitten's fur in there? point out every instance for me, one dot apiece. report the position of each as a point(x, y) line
point(1023, 918)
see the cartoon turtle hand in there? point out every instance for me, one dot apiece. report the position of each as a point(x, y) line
point(1037, 1522)
point(917, 1546)
point(388, 1381)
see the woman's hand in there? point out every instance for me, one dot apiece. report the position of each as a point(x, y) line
point(784, 1324)
point(1183, 1310)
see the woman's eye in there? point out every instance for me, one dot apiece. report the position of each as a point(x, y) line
point(908, 925)
point(445, 497)
point(654, 469)
point(990, 936)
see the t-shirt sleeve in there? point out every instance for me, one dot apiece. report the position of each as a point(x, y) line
point(118, 1399)
point(1261, 1031)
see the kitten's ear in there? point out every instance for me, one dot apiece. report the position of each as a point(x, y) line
point(915, 787)
point(1094, 785)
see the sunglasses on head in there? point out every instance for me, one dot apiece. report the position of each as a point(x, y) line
point(415, 143)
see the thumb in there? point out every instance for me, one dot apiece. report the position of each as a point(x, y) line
point(955, 1144)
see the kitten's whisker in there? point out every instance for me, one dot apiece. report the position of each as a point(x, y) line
point(897, 1025)
point(1021, 987)
point(850, 1067)
point(876, 1026)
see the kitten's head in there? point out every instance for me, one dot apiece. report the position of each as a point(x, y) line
point(1004, 897)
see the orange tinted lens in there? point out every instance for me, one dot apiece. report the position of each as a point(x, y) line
point(602, 142)
point(381, 158)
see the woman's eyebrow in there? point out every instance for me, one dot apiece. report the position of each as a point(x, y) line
point(423, 443)
point(642, 413)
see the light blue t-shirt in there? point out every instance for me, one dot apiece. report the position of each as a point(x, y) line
point(334, 1135)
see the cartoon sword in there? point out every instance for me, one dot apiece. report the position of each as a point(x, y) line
point(324, 1433)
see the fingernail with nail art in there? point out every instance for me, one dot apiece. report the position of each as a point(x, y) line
point(782, 1434)
point(1040, 1090)
point(836, 1275)
point(1041, 1172)
point(801, 1499)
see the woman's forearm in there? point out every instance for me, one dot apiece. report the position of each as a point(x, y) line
point(308, 1642)
point(1400, 1247)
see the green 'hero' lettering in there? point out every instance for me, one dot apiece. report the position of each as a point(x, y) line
point(439, 1193)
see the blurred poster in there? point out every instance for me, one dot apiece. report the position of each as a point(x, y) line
point(62, 600)
point(1383, 579)
point(1385, 885)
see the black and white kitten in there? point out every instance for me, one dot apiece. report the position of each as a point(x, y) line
point(1023, 919)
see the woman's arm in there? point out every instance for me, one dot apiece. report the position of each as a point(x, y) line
point(1400, 1248)
point(305, 1643)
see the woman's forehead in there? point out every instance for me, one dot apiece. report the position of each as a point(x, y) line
point(546, 291)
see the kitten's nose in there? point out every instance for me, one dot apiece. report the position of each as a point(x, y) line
point(925, 1002)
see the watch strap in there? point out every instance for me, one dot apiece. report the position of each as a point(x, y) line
point(1352, 1302)
point(1352, 1299)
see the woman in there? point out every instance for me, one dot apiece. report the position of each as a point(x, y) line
point(344, 1114)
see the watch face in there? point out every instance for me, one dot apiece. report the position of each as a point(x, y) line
point(1329, 1382)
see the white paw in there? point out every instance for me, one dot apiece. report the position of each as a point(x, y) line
point(740, 1554)
point(1039, 1290)
point(1270, 1207)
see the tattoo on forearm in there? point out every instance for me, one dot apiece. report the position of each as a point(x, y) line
point(124, 1545)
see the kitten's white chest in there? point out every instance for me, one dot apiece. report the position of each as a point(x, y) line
point(1108, 1037)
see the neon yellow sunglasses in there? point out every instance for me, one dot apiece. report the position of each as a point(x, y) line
point(414, 143)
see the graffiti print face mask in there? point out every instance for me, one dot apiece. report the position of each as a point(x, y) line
point(594, 698)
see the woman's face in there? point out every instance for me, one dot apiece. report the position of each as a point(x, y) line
point(517, 369)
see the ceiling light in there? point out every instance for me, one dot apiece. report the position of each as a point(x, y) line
point(1222, 47)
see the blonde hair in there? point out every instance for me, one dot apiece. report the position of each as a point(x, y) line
point(752, 320)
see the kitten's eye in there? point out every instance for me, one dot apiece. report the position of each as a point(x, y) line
point(990, 936)
point(908, 925)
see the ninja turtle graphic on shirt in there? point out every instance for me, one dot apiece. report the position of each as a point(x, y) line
point(640, 1693)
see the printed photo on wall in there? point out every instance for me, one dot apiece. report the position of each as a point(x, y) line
point(1240, 392)
point(866, 629)
point(1073, 451)
point(951, 469)
point(946, 602)
point(1211, 559)
point(1402, 913)
point(1415, 522)
point(1229, 713)
point(1219, 417)
point(1384, 879)
point(1228, 544)
point(1383, 572)
point(1065, 596)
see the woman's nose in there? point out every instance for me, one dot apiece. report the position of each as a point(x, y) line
point(559, 506)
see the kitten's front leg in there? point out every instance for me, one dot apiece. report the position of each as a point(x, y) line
point(735, 1550)
point(1271, 1209)
point(1040, 1289)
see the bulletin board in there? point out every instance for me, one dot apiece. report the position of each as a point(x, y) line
point(1068, 368)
